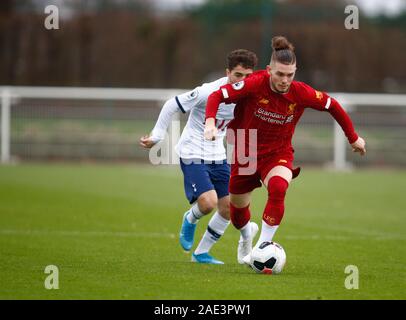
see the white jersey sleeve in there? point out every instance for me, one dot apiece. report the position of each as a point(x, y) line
point(165, 116)
point(192, 143)
point(188, 100)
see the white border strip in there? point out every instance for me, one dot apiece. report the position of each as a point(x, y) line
point(225, 93)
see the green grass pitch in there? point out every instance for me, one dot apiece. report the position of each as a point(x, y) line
point(112, 231)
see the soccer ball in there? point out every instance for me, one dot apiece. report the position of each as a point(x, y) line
point(268, 258)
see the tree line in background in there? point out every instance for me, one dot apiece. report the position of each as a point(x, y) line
point(129, 44)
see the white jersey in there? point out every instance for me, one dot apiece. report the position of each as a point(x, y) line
point(192, 144)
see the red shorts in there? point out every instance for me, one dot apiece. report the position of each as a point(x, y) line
point(246, 178)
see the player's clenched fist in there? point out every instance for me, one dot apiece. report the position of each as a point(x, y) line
point(147, 142)
point(210, 130)
point(359, 146)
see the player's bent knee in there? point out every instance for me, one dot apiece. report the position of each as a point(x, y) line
point(239, 216)
point(277, 187)
point(280, 171)
point(240, 200)
point(207, 202)
point(224, 211)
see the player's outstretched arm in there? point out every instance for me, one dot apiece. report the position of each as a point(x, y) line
point(158, 133)
point(321, 101)
point(339, 114)
point(229, 93)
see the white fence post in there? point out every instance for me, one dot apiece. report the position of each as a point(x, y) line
point(339, 148)
point(5, 125)
point(340, 144)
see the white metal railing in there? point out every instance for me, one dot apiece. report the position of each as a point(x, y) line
point(5, 125)
point(91, 93)
point(10, 93)
point(350, 100)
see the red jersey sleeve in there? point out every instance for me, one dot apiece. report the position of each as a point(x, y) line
point(312, 98)
point(323, 102)
point(232, 93)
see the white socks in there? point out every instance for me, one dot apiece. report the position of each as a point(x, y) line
point(215, 229)
point(267, 233)
point(194, 214)
point(246, 231)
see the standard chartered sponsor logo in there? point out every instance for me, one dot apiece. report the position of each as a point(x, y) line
point(271, 114)
point(270, 117)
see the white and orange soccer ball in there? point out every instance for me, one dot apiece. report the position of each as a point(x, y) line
point(268, 258)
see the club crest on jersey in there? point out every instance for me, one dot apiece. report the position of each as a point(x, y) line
point(264, 101)
point(291, 108)
point(319, 95)
point(238, 85)
point(193, 95)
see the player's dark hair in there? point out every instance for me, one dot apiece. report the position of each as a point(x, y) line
point(242, 57)
point(283, 51)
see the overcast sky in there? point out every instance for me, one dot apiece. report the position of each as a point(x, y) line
point(369, 7)
point(388, 7)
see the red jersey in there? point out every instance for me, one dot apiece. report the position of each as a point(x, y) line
point(274, 115)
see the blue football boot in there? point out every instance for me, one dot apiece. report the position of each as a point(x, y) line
point(205, 258)
point(187, 233)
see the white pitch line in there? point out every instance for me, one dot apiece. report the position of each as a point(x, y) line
point(73, 233)
point(343, 238)
point(360, 232)
point(126, 234)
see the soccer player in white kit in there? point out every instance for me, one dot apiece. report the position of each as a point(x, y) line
point(203, 163)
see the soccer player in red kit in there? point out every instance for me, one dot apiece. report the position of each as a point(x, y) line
point(270, 102)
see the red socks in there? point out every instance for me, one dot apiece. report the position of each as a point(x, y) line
point(239, 216)
point(275, 207)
